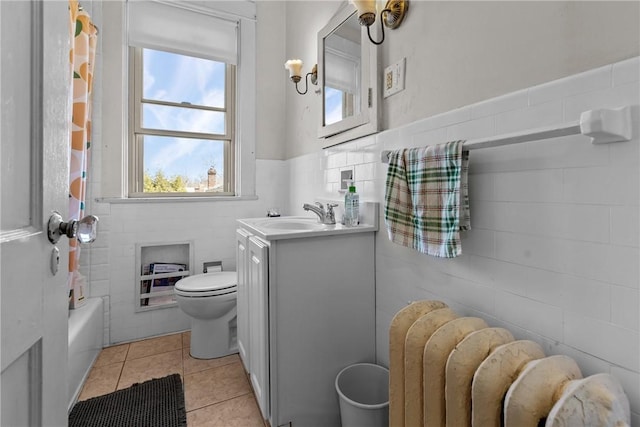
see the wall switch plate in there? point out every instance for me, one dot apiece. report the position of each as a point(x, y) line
point(393, 81)
point(345, 175)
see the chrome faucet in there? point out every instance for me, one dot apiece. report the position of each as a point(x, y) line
point(325, 217)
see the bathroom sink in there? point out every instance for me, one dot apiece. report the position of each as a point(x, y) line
point(291, 224)
point(294, 227)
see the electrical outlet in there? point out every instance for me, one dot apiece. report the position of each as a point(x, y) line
point(393, 81)
point(345, 176)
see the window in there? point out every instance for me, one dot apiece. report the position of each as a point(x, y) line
point(182, 130)
point(183, 112)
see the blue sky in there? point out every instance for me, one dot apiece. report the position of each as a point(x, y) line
point(177, 78)
point(333, 103)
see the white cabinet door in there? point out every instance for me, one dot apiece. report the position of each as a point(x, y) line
point(258, 278)
point(244, 315)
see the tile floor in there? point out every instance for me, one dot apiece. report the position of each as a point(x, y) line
point(217, 391)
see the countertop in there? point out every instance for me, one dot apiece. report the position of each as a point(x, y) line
point(272, 228)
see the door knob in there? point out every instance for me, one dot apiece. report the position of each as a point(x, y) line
point(85, 230)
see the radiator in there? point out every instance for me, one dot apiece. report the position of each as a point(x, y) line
point(452, 371)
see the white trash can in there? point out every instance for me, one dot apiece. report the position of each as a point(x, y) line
point(363, 390)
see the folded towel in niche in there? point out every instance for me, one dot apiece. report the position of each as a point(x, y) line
point(426, 198)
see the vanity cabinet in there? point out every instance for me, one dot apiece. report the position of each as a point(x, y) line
point(252, 312)
point(311, 312)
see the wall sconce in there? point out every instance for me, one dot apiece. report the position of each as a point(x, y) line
point(295, 73)
point(391, 16)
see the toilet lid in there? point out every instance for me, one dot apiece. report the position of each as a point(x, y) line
point(205, 283)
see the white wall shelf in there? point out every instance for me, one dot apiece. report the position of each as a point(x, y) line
point(159, 267)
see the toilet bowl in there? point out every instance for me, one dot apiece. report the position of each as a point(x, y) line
point(210, 301)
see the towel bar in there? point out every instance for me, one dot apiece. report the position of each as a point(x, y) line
point(602, 126)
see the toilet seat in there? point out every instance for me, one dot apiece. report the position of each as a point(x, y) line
point(207, 285)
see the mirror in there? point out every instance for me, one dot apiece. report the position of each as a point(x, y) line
point(347, 72)
point(342, 72)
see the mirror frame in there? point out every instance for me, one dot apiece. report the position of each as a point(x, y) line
point(367, 121)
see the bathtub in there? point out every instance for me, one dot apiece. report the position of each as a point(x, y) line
point(85, 342)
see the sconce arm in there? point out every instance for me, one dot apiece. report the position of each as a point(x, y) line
point(391, 16)
point(381, 28)
point(314, 80)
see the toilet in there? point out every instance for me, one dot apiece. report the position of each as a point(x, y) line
point(210, 300)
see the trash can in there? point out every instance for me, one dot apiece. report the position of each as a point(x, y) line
point(363, 390)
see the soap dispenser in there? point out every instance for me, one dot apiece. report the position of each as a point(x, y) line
point(351, 205)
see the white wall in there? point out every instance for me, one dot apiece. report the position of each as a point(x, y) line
point(269, 80)
point(461, 52)
point(553, 254)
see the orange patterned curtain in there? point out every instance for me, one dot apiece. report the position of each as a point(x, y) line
point(82, 56)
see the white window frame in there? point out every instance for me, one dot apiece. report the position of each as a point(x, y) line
point(137, 132)
point(115, 120)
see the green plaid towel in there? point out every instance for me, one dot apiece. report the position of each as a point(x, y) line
point(426, 198)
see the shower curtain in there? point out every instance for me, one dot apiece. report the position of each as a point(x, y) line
point(82, 56)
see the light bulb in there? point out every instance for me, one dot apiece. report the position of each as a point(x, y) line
point(294, 66)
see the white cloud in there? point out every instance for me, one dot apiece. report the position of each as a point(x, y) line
point(148, 80)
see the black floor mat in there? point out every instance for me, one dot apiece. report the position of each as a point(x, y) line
point(154, 403)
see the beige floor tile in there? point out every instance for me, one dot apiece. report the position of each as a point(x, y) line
point(217, 391)
point(153, 346)
point(110, 355)
point(192, 364)
point(237, 412)
point(215, 385)
point(146, 368)
point(101, 380)
point(186, 339)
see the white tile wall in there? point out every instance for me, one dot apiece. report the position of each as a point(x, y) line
point(553, 254)
point(210, 226)
point(597, 79)
point(512, 101)
point(532, 117)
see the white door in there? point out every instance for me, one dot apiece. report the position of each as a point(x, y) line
point(34, 151)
